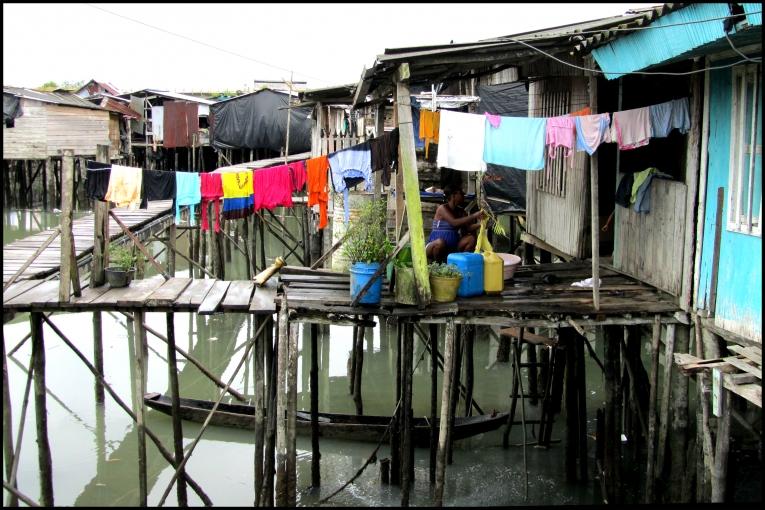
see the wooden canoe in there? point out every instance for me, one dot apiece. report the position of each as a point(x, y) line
point(331, 425)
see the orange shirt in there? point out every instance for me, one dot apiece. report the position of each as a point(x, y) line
point(429, 124)
point(316, 181)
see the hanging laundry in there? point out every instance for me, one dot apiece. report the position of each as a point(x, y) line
point(97, 179)
point(237, 194)
point(643, 196)
point(591, 131)
point(584, 111)
point(494, 120)
point(273, 187)
point(429, 125)
point(668, 116)
point(297, 175)
point(560, 132)
point(518, 142)
point(125, 186)
point(384, 154)
point(187, 193)
point(157, 185)
point(316, 175)
point(624, 190)
point(637, 180)
point(418, 144)
point(461, 141)
point(631, 128)
point(354, 161)
point(211, 187)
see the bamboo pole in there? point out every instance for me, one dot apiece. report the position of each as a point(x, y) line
point(448, 381)
point(172, 375)
point(408, 166)
point(166, 454)
point(41, 411)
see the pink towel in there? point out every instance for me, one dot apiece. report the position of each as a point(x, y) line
point(297, 171)
point(273, 187)
point(632, 128)
point(494, 120)
point(560, 132)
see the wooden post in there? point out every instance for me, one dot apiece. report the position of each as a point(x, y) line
point(281, 407)
point(41, 411)
point(455, 396)
point(678, 438)
point(98, 355)
point(406, 408)
point(612, 444)
point(408, 166)
point(246, 245)
point(651, 455)
point(702, 420)
point(469, 370)
point(140, 385)
point(433, 399)
point(259, 402)
point(664, 407)
point(569, 339)
point(722, 446)
point(315, 453)
point(203, 237)
point(443, 432)
point(581, 389)
point(379, 131)
point(69, 275)
point(101, 229)
point(358, 356)
point(271, 345)
point(45, 184)
point(291, 448)
point(172, 373)
point(171, 239)
point(716, 250)
point(594, 206)
point(395, 443)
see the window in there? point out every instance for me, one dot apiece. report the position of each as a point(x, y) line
point(745, 172)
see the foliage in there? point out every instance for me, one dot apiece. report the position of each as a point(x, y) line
point(444, 270)
point(121, 257)
point(367, 239)
point(404, 257)
point(50, 86)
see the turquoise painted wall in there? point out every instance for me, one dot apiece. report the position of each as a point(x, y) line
point(646, 48)
point(739, 287)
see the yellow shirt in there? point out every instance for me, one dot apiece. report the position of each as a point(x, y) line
point(125, 186)
point(429, 125)
point(237, 184)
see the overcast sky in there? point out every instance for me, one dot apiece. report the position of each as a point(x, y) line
point(323, 44)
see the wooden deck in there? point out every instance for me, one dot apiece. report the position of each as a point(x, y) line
point(47, 263)
point(204, 296)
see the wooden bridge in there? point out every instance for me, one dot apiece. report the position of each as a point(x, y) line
point(140, 221)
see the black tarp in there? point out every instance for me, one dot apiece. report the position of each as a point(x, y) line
point(11, 109)
point(255, 121)
point(504, 187)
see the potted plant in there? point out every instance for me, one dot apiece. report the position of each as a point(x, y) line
point(367, 246)
point(444, 281)
point(405, 288)
point(121, 268)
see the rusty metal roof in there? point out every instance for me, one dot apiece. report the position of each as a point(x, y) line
point(117, 105)
point(60, 98)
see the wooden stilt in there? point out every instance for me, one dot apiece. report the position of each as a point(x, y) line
point(171, 241)
point(446, 391)
point(406, 406)
point(245, 222)
point(703, 491)
point(469, 370)
point(395, 439)
point(612, 444)
point(41, 411)
point(357, 373)
point(664, 407)
point(291, 461)
point(69, 274)
point(433, 399)
point(315, 453)
point(678, 433)
point(455, 389)
point(281, 407)
point(722, 446)
point(100, 231)
point(98, 355)
point(352, 362)
point(651, 451)
point(267, 495)
point(45, 185)
point(260, 404)
point(8, 452)
point(531, 357)
point(581, 389)
point(140, 343)
point(172, 373)
point(569, 339)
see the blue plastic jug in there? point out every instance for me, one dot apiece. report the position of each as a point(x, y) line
point(471, 267)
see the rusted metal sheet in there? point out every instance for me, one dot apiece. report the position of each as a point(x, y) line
point(180, 123)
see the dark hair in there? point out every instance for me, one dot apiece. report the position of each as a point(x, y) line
point(451, 190)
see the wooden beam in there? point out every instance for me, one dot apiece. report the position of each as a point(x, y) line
point(69, 275)
point(594, 205)
point(533, 240)
point(408, 166)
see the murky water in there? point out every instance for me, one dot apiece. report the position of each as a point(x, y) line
point(94, 448)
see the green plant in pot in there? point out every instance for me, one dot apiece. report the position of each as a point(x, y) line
point(405, 287)
point(444, 281)
point(367, 246)
point(121, 268)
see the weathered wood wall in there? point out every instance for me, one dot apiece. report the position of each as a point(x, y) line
point(557, 198)
point(45, 129)
point(649, 246)
point(114, 135)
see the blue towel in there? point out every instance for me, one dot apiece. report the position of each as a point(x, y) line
point(668, 116)
point(354, 161)
point(188, 191)
point(518, 142)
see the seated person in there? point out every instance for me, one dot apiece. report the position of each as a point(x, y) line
point(453, 229)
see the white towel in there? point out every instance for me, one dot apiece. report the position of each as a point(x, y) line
point(632, 128)
point(587, 282)
point(460, 141)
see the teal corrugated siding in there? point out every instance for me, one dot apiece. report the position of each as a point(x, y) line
point(739, 281)
point(645, 48)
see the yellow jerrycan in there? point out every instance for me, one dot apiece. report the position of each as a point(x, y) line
point(493, 265)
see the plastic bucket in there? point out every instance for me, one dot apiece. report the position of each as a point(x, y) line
point(361, 273)
point(511, 263)
point(444, 290)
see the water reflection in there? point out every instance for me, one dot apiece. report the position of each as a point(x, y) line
point(94, 447)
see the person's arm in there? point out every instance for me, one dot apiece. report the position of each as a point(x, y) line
point(446, 215)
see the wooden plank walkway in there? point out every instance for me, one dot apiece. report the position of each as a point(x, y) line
point(155, 294)
point(47, 263)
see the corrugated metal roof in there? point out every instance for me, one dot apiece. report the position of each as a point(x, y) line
point(62, 98)
point(114, 105)
point(111, 89)
point(685, 35)
point(171, 95)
